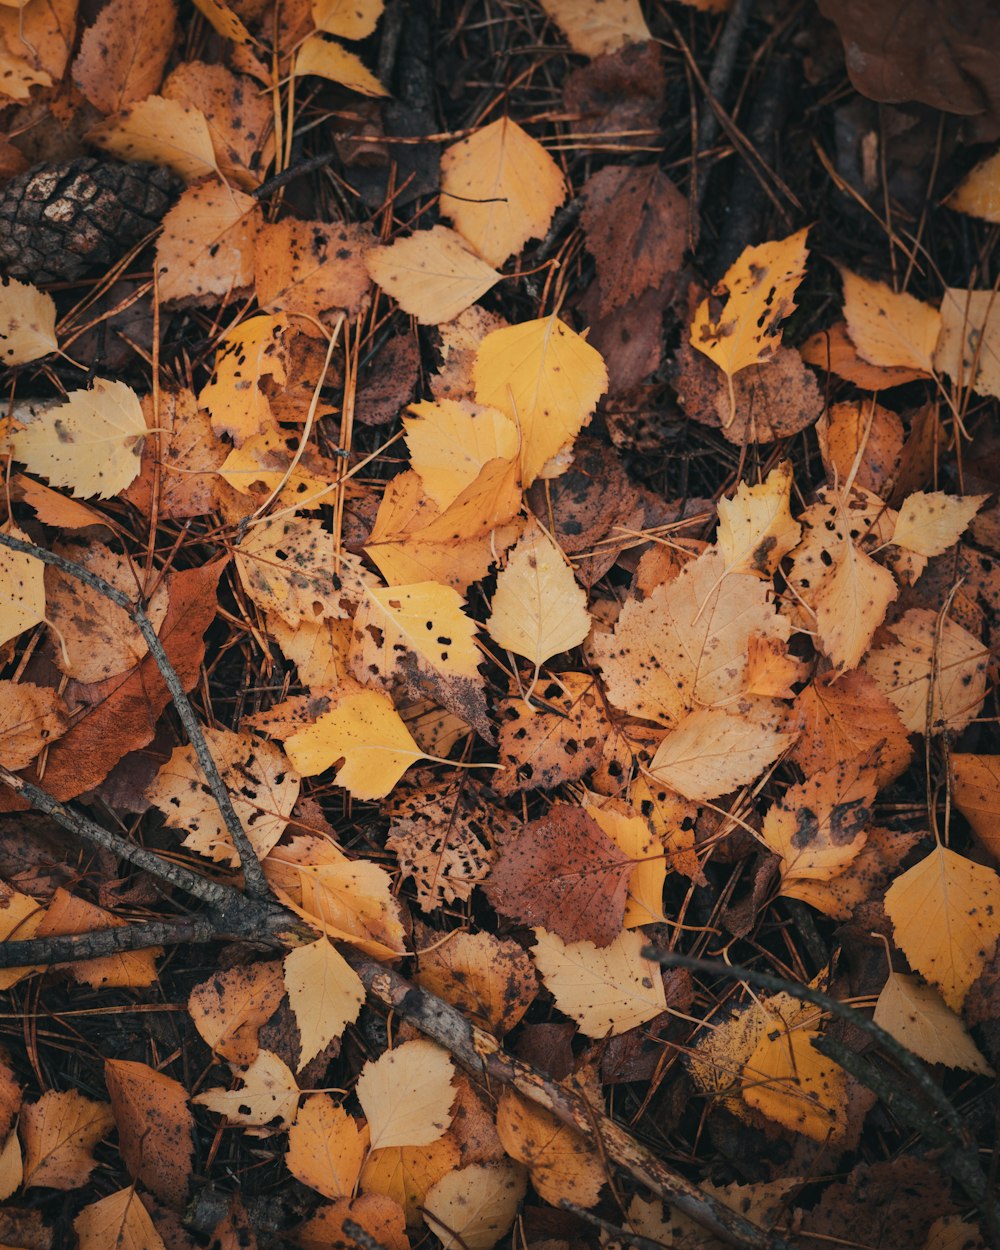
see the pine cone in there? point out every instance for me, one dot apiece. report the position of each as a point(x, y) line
point(59, 221)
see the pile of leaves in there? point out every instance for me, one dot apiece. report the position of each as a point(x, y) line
point(502, 663)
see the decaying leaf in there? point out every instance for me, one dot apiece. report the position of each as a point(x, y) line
point(490, 980)
point(155, 1127)
point(269, 1097)
point(475, 1206)
point(889, 328)
point(434, 274)
point(120, 1219)
point(788, 1080)
point(916, 1016)
point(229, 1008)
point(59, 1133)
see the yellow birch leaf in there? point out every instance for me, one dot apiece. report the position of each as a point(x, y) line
point(563, 1163)
point(451, 442)
point(978, 194)
point(351, 19)
point(205, 251)
point(472, 1208)
point(121, 1221)
point(164, 132)
point(916, 1017)
point(685, 646)
point(256, 773)
point(367, 733)
point(412, 541)
point(420, 635)
point(233, 396)
point(605, 989)
point(406, 1094)
point(546, 378)
point(11, 1167)
point(325, 994)
point(632, 833)
point(27, 323)
point(929, 522)
point(329, 59)
point(951, 1232)
point(538, 609)
point(755, 527)
point(406, 1173)
point(269, 1095)
point(319, 649)
point(597, 27)
point(976, 791)
point(20, 916)
point(501, 188)
point(326, 1148)
point(820, 825)
point(59, 1133)
point(712, 752)
point(289, 566)
point(945, 914)
point(30, 717)
point(968, 350)
point(927, 650)
point(889, 328)
point(790, 1082)
point(433, 275)
point(759, 290)
point(224, 21)
point(91, 443)
point(717, 1060)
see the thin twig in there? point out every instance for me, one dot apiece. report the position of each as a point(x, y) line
point(253, 874)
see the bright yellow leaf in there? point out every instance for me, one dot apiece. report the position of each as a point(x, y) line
point(605, 989)
point(350, 19)
point(945, 914)
point(789, 1081)
point(368, 734)
point(27, 323)
point(632, 833)
point(406, 1094)
point(329, 59)
point(500, 187)
point(326, 1148)
point(224, 21)
point(22, 589)
point(755, 527)
point(597, 27)
point(889, 327)
point(546, 379)
point(91, 443)
point(164, 132)
point(325, 993)
point(916, 1017)
point(978, 194)
point(452, 441)
point(433, 275)
point(538, 609)
point(253, 350)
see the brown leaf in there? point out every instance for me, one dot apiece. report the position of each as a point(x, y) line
point(310, 268)
point(180, 461)
point(386, 385)
point(155, 1127)
point(557, 737)
point(488, 979)
point(890, 1205)
point(565, 874)
point(229, 1008)
point(833, 350)
point(619, 93)
point(635, 221)
point(60, 1132)
point(865, 426)
point(123, 55)
point(69, 914)
point(120, 714)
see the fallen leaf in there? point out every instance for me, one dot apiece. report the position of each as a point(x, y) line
point(452, 441)
point(968, 350)
point(978, 194)
point(351, 19)
point(379, 1216)
point(22, 588)
point(163, 132)
point(500, 187)
point(205, 251)
point(928, 650)
point(309, 269)
point(931, 522)
point(36, 41)
point(490, 980)
point(538, 610)
point(30, 717)
point(833, 350)
point(606, 990)
point(475, 1206)
point(862, 442)
point(976, 793)
point(562, 1162)
point(269, 1096)
point(264, 790)
point(224, 21)
point(234, 397)
point(406, 1095)
point(326, 995)
point(633, 834)
point(329, 59)
point(27, 323)
point(916, 1017)
point(67, 914)
point(712, 752)
point(326, 1148)
point(404, 1174)
point(123, 54)
point(564, 873)
point(433, 275)
point(756, 530)
point(229, 1008)
point(91, 443)
point(59, 1133)
point(178, 461)
point(888, 327)
point(945, 914)
point(557, 738)
point(155, 1127)
point(789, 1081)
point(524, 371)
point(119, 1220)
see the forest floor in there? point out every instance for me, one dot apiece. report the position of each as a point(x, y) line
point(555, 447)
